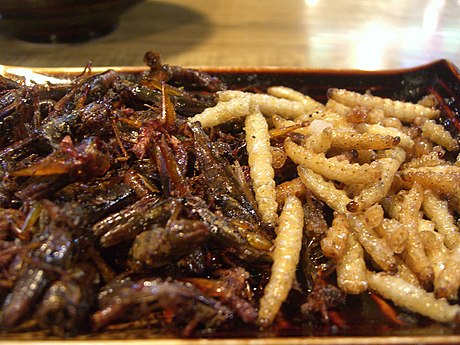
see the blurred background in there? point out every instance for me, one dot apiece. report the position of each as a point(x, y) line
point(358, 34)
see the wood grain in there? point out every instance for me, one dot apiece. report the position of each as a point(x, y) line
point(299, 33)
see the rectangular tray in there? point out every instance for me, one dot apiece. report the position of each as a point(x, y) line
point(440, 78)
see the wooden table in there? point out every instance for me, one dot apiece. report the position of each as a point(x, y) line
point(359, 34)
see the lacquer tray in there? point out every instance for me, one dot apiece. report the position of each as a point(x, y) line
point(440, 78)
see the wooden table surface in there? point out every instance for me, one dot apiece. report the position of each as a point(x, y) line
point(360, 34)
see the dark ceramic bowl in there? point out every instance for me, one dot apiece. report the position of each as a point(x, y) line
point(61, 20)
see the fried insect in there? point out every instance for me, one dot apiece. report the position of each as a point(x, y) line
point(374, 192)
point(415, 253)
point(351, 268)
point(443, 179)
point(230, 106)
point(54, 249)
point(376, 247)
point(437, 254)
point(270, 105)
point(336, 198)
point(334, 243)
point(439, 135)
point(405, 141)
point(404, 111)
point(260, 165)
point(309, 103)
point(438, 211)
point(162, 245)
point(65, 306)
point(394, 234)
point(120, 301)
point(332, 168)
point(230, 288)
point(285, 258)
point(414, 298)
point(362, 141)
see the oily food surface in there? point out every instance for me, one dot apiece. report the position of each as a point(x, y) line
point(166, 201)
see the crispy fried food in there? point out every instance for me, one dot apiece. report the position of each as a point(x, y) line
point(309, 103)
point(375, 246)
point(409, 217)
point(404, 111)
point(357, 115)
point(337, 107)
point(405, 141)
point(279, 157)
point(351, 268)
point(406, 274)
point(429, 101)
point(292, 187)
point(284, 127)
point(437, 253)
point(394, 234)
point(286, 255)
point(260, 163)
point(374, 192)
point(332, 168)
point(412, 297)
point(334, 244)
point(374, 215)
point(438, 211)
point(232, 105)
point(448, 281)
point(392, 122)
point(180, 185)
point(361, 154)
point(320, 141)
point(347, 140)
point(270, 105)
point(400, 149)
point(439, 135)
point(324, 190)
point(444, 179)
point(336, 119)
point(430, 159)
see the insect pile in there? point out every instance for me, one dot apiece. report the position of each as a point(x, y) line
point(165, 201)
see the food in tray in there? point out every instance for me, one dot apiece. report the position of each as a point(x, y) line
point(165, 200)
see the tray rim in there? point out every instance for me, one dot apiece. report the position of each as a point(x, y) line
point(333, 340)
point(8, 69)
